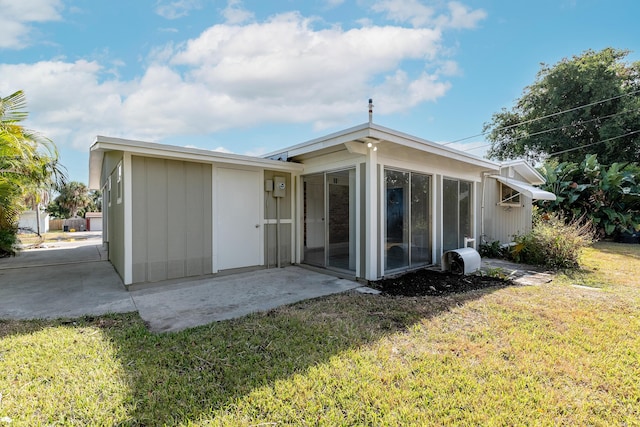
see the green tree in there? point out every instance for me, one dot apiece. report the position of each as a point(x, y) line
point(28, 163)
point(547, 120)
point(609, 197)
point(96, 201)
point(74, 197)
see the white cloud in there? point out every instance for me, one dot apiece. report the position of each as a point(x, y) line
point(282, 70)
point(416, 13)
point(412, 11)
point(234, 13)
point(463, 17)
point(66, 101)
point(15, 17)
point(177, 9)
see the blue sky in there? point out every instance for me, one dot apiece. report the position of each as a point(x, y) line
point(254, 76)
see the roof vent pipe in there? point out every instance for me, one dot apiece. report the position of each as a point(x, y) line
point(370, 110)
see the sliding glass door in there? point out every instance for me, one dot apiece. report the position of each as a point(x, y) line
point(408, 220)
point(456, 213)
point(329, 219)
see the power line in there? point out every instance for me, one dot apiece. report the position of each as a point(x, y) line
point(545, 117)
point(559, 128)
point(574, 148)
point(593, 143)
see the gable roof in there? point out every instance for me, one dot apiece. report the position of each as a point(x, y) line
point(370, 132)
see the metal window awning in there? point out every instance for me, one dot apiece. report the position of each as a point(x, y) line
point(527, 189)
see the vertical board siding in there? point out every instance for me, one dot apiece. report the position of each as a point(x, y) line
point(502, 223)
point(171, 219)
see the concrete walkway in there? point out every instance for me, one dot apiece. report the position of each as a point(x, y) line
point(521, 274)
point(72, 279)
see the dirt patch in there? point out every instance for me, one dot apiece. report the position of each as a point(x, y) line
point(435, 283)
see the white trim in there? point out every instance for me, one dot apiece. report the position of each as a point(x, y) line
point(214, 217)
point(371, 218)
point(434, 220)
point(259, 182)
point(372, 132)
point(381, 225)
point(299, 212)
point(357, 213)
point(294, 224)
point(441, 216)
point(275, 221)
point(128, 218)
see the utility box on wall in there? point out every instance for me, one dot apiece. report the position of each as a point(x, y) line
point(279, 187)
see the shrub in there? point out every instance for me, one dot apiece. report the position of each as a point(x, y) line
point(491, 250)
point(553, 242)
point(8, 243)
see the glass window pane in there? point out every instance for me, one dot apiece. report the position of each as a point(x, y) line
point(397, 213)
point(341, 232)
point(420, 220)
point(313, 186)
point(465, 212)
point(450, 208)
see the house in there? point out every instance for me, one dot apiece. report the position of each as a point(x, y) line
point(29, 219)
point(366, 202)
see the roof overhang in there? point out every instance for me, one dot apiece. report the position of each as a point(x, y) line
point(104, 144)
point(524, 169)
point(528, 190)
point(348, 139)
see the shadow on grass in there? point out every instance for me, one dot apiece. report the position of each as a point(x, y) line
point(178, 377)
point(625, 250)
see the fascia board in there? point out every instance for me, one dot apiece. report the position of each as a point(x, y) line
point(410, 141)
point(192, 154)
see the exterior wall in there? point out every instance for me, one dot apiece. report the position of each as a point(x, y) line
point(28, 220)
point(438, 167)
point(286, 222)
point(501, 223)
point(115, 210)
point(395, 157)
point(172, 219)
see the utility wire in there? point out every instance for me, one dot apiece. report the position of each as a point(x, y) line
point(574, 148)
point(593, 143)
point(558, 128)
point(546, 117)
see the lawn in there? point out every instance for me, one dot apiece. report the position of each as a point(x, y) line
point(564, 353)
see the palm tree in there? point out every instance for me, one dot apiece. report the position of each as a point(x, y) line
point(28, 161)
point(74, 196)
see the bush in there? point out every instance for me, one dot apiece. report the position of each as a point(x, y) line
point(8, 243)
point(492, 250)
point(553, 242)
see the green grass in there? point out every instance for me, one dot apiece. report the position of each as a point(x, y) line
point(554, 354)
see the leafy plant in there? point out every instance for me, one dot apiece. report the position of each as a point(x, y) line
point(609, 197)
point(491, 250)
point(28, 165)
point(554, 242)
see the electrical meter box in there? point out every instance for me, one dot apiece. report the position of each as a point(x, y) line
point(279, 186)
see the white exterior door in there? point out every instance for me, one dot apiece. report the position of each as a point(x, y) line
point(239, 196)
